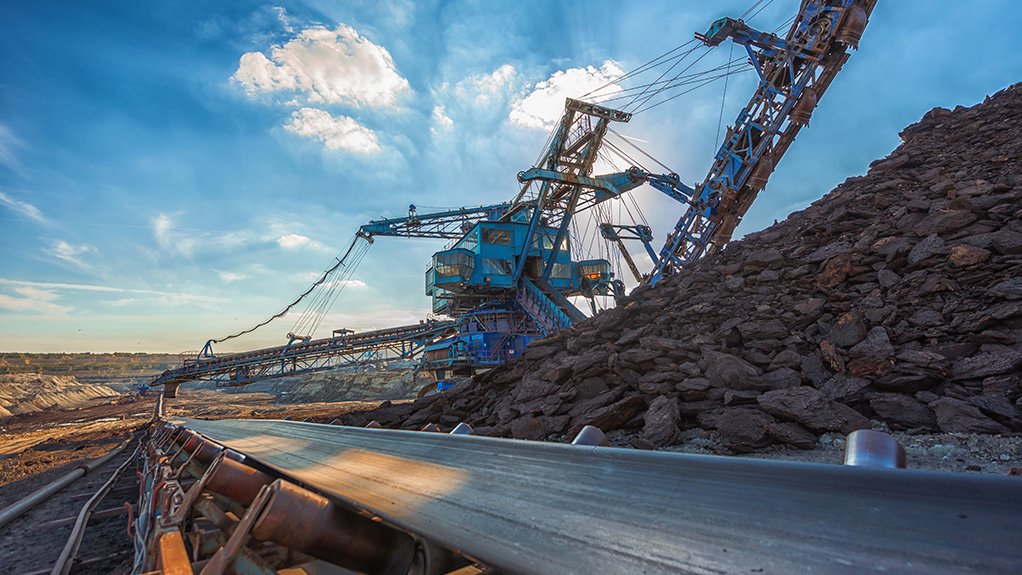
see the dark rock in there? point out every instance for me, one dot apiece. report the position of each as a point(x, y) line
point(609, 417)
point(732, 397)
point(1010, 288)
point(793, 434)
point(848, 330)
point(926, 248)
point(964, 255)
point(768, 257)
point(887, 279)
point(987, 364)
point(835, 271)
point(661, 421)
point(814, 369)
point(528, 427)
point(744, 429)
point(844, 388)
point(876, 345)
point(782, 377)
point(955, 415)
point(944, 221)
point(763, 329)
point(809, 407)
point(902, 411)
point(786, 358)
point(726, 370)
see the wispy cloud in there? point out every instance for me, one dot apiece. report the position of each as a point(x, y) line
point(8, 142)
point(69, 253)
point(33, 299)
point(284, 19)
point(172, 240)
point(230, 276)
point(541, 108)
point(178, 297)
point(23, 208)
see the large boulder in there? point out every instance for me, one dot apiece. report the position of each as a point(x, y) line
point(812, 409)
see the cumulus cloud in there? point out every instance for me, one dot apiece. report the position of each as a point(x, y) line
point(24, 208)
point(68, 252)
point(336, 132)
point(292, 241)
point(543, 106)
point(487, 89)
point(325, 66)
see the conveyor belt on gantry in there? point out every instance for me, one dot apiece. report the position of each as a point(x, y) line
point(532, 507)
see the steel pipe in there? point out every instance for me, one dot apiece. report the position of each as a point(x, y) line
point(235, 480)
point(304, 521)
point(12, 512)
point(74, 539)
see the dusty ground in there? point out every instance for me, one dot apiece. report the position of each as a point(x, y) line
point(959, 452)
point(39, 447)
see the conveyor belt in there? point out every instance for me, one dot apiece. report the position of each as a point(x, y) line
point(530, 507)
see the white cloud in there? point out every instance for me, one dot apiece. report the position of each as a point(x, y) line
point(8, 142)
point(24, 208)
point(33, 299)
point(441, 118)
point(484, 89)
point(327, 67)
point(172, 240)
point(336, 132)
point(49, 286)
point(230, 276)
point(283, 18)
point(293, 241)
point(69, 252)
point(543, 107)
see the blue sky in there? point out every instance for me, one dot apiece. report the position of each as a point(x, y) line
point(171, 172)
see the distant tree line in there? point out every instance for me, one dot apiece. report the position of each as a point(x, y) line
point(106, 365)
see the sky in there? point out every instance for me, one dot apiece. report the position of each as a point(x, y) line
point(173, 172)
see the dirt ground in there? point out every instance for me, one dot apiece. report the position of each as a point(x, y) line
point(38, 448)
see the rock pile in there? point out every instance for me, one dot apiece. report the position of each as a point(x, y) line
point(896, 297)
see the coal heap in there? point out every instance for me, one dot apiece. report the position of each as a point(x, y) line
point(896, 297)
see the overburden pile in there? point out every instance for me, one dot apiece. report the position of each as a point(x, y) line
point(896, 297)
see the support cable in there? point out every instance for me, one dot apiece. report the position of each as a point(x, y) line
point(283, 312)
point(723, 98)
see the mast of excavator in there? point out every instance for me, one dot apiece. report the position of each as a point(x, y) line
point(794, 72)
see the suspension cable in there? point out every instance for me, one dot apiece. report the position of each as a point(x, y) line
point(301, 297)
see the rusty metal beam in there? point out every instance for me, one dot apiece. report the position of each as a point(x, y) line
point(529, 507)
